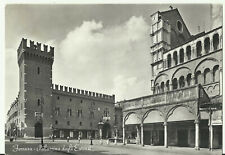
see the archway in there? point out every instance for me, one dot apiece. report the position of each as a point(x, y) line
point(38, 132)
point(106, 131)
point(181, 127)
point(153, 128)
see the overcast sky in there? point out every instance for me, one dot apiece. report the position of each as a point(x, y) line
point(102, 48)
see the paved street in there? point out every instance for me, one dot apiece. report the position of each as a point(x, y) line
point(60, 147)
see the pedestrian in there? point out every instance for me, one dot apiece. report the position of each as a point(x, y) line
point(68, 139)
point(79, 139)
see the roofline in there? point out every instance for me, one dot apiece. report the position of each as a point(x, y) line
point(195, 38)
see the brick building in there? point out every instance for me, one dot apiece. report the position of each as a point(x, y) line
point(186, 106)
point(66, 111)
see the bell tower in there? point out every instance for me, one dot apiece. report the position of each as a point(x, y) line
point(35, 87)
point(160, 37)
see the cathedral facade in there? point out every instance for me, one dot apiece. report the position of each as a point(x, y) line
point(186, 106)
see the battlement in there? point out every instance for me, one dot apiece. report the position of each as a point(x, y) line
point(35, 49)
point(80, 92)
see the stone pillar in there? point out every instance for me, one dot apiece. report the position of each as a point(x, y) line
point(192, 79)
point(171, 86)
point(197, 134)
point(211, 137)
point(123, 134)
point(220, 82)
point(142, 134)
point(138, 134)
point(165, 135)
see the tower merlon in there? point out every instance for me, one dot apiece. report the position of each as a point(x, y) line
point(81, 92)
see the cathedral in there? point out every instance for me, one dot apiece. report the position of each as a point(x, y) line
point(185, 108)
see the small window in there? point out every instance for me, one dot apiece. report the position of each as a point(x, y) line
point(81, 101)
point(38, 102)
point(179, 26)
point(80, 123)
point(70, 99)
point(68, 122)
point(91, 124)
point(38, 70)
point(56, 122)
point(58, 97)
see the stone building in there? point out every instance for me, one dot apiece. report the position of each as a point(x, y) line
point(185, 108)
point(66, 111)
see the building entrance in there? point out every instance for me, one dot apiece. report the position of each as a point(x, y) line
point(106, 131)
point(38, 129)
point(182, 137)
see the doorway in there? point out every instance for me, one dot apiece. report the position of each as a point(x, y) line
point(106, 131)
point(38, 130)
point(182, 138)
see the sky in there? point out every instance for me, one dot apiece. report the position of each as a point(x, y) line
point(103, 48)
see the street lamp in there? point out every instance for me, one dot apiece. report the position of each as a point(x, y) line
point(116, 130)
point(42, 141)
point(100, 125)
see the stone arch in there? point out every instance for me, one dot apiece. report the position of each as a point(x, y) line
point(181, 113)
point(175, 58)
point(181, 82)
point(207, 45)
point(216, 75)
point(169, 60)
point(215, 41)
point(188, 52)
point(210, 65)
point(153, 116)
point(199, 48)
point(181, 71)
point(181, 54)
point(207, 76)
point(198, 77)
point(131, 118)
point(160, 78)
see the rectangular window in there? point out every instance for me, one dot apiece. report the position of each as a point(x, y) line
point(79, 113)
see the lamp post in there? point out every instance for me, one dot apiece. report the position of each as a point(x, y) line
point(42, 141)
point(116, 136)
point(100, 125)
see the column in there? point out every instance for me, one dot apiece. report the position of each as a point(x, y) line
point(100, 135)
point(221, 78)
point(123, 134)
point(171, 86)
point(197, 134)
point(138, 135)
point(116, 136)
point(192, 79)
point(165, 135)
point(142, 134)
point(211, 137)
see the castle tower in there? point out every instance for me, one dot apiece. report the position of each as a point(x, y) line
point(35, 92)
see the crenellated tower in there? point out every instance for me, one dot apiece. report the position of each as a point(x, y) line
point(35, 86)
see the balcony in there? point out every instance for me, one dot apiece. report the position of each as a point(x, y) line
point(195, 92)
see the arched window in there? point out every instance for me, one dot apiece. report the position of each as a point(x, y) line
point(207, 45)
point(216, 41)
point(175, 58)
point(199, 48)
point(169, 60)
point(162, 87)
point(188, 52)
point(156, 88)
point(181, 55)
point(216, 73)
point(174, 82)
point(198, 79)
point(207, 77)
point(167, 85)
point(38, 102)
point(189, 79)
point(38, 70)
point(181, 82)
